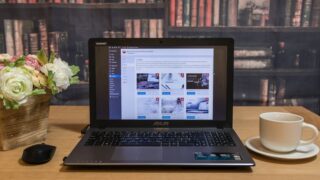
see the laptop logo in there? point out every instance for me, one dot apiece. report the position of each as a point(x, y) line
point(159, 123)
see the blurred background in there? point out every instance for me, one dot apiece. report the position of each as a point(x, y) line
point(277, 43)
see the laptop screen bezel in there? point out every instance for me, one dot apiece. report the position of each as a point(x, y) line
point(227, 42)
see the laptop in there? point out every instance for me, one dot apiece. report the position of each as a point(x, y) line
point(160, 102)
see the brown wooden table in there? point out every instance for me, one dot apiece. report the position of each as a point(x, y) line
point(64, 132)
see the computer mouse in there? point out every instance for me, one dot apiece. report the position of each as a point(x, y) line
point(38, 154)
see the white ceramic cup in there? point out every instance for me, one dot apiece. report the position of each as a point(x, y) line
point(281, 132)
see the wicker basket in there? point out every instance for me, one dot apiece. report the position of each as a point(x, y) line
point(26, 125)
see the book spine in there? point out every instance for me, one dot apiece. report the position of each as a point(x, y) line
point(208, 13)
point(34, 46)
point(153, 28)
point(315, 21)
point(306, 13)
point(113, 34)
point(276, 10)
point(128, 28)
point(63, 45)
point(79, 1)
point(144, 28)
point(201, 13)
point(8, 32)
point(179, 18)
point(216, 12)
point(150, 1)
point(43, 35)
point(194, 13)
point(18, 43)
point(137, 28)
point(2, 47)
point(131, 1)
point(223, 12)
point(172, 13)
point(272, 93)
point(296, 20)
point(264, 84)
point(53, 42)
point(106, 34)
point(141, 1)
point(26, 46)
point(186, 13)
point(288, 12)
point(232, 12)
point(159, 28)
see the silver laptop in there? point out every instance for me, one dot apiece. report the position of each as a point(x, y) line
point(160, 102)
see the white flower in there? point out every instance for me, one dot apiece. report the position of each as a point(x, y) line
point(15, 84)
point(4, 57)
point(61, 73)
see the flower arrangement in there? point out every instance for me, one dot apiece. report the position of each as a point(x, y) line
point(30, 75)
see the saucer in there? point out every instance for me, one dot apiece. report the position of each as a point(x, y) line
point(255, 145)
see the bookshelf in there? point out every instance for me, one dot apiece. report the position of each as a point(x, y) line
point(253, 86)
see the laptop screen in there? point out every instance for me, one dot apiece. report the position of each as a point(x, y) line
point(161, 83)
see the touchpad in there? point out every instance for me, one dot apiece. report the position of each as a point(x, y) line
point(137, 154)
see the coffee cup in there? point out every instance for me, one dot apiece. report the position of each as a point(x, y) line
point(282, 132)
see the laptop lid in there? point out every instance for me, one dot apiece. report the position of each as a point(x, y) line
point(161, 82)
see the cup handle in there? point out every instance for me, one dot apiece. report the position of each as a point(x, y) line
point(314, 136)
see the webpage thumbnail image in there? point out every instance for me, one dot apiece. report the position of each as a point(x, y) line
point(197, 108)
point(172, 83)
point(172, 108)
point(148, 107)
point(197, 83)
point(147, 83)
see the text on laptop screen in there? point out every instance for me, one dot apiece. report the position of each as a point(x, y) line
point(161, 83)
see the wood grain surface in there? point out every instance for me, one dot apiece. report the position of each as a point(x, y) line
point(65, 123)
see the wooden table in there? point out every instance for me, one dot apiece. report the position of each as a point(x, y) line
point(64, 132)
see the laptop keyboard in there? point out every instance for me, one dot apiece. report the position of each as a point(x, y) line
point(151, 138)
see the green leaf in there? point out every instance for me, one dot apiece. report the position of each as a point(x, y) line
point(38, 92)
point(74, 80)
point(10, 105)
point(20, 61)
point(74, 69)
point(42, 57)
point(51, 83)
point(52, 56)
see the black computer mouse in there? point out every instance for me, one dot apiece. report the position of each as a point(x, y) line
point(38, 154)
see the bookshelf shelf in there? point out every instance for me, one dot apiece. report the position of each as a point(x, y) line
point(243, 29)
point(277, 72)
point(11, 7)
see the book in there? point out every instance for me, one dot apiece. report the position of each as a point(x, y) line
point(144, 28)
point(137, 28)
point(272, 93)
point(26, 44)
point(232, 12)
point(194, 13)
point(131, 1)
point(248, 52)
point(216, 12)
point(281, 88)
point(287, 12)
point(18, 44)
point(252, 63)
point(276, 12)
point(2, 47)
point(315, 20)
point(296, 19)
point(159, 28)
point(153, 28)
point(201, 13)
point(128, 28)
point(208, 13)
point(172, 13)
point(223, 12)
point(43, 35)
point(254, 13)
point(141, 1)
point(306, 13)
point(34, 45)
point(9, 37)
point(186, 13)
point(264, 88)
point(179, 8)
point(106, 34)
point(58, 43)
